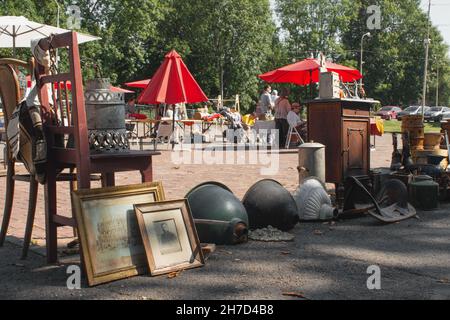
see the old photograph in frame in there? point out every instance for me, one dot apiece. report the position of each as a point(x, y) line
point(169, 236)
point(111, 244)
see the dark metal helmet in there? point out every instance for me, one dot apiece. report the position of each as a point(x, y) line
point(269, 203)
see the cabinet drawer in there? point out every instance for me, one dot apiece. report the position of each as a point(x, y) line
point(355, 112)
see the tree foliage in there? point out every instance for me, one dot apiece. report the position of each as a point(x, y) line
point(227, 43)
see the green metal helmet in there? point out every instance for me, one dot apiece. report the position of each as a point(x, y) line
point(218, 214)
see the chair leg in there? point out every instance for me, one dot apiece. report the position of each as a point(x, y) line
point(299, 136)
point(30, 217)
point(288, 139)
point(73, 187)
point(50, 211)
point(8, 201)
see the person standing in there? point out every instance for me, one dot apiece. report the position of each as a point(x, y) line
point(265, 101)
point(282, 108)
point(274, 96)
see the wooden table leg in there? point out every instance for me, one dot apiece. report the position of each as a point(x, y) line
point(108, 179)
point(147, 174)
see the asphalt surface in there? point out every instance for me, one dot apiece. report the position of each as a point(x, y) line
point(323, 262)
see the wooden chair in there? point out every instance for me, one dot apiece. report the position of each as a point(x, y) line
point(10, 95)
point(69, 119)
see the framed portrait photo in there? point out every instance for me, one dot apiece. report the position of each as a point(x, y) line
point(169, 236)
point(110, 240)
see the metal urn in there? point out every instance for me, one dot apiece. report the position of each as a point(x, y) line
point(105, 112)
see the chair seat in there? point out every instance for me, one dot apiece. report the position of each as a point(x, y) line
point(124, 154)
point(59, 178)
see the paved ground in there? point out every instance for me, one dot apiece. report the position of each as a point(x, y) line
point(324, 262)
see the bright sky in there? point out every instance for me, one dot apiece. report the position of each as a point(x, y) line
point(440, 13)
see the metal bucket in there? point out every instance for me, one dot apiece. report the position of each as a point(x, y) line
point(218, 214)
point(105, 112)
point(424, 194)
point(311, 161)
point(269, 203)
point(414, 126)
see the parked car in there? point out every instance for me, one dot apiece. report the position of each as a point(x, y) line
point(446, 115)
point(435, 114)
point(389, 112)
point(410, 111)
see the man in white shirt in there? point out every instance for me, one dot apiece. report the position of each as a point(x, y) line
point(295, 121)
point(293, 117)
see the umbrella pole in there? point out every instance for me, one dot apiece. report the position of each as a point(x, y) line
point(310, 85)
point(173, 127)
point(14, 41)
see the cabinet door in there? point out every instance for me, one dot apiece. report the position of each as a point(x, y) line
point(355, 147)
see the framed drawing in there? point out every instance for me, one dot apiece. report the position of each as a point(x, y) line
point(169, 236)
point(110, 240)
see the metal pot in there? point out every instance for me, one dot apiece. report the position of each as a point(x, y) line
point(269, 203)
point(105, 112)
point(218, 214)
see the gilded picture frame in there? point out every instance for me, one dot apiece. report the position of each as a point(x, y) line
point(169, 236)
point(110, 241)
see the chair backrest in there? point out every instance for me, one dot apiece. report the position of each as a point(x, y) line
point(66, 114)
point(9, 86)
point(164, 129)
point(10, 96)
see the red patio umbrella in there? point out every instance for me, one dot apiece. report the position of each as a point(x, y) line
point(120, 90)
point(172, 83)
point(141, 84)
point(307, 71)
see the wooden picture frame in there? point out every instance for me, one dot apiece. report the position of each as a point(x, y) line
point(169, 236)
point(110, 241)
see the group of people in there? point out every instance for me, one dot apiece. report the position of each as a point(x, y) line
point(285, 114)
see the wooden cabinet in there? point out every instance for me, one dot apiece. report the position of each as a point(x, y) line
point(343, 126)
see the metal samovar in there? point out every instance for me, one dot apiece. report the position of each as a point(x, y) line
point(105, 112)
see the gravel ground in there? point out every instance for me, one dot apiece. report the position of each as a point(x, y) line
point(323, 262)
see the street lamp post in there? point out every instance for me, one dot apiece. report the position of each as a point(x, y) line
point(362, 48)
point(425, 72)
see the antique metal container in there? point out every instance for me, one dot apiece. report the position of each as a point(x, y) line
point(311, 161)
point(269, 203)
point(424, 193)
point(413, 125)
point(218, 214)
point(105, 112)
point(313, 201)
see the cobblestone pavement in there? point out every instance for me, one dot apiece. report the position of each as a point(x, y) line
point(329, 264)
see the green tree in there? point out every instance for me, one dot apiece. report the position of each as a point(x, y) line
point(313, 26)
point(223, 42)
point(394, 55)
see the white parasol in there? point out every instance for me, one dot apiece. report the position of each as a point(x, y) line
point(17, 32)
